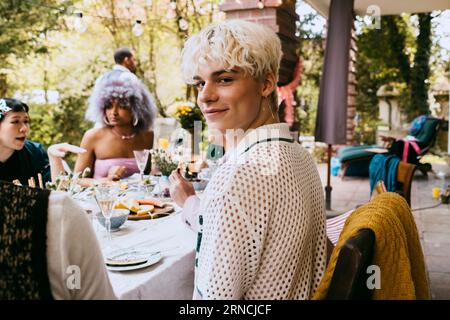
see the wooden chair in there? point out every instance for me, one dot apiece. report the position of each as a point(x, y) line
point(405, 174)
point(350, 274)
point(404, 178)
point(349, 281)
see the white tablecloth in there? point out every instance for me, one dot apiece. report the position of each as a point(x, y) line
point(170, 278)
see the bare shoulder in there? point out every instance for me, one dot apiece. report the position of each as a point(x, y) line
point(93, 135)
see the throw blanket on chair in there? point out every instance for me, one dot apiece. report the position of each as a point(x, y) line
point(397, 251)
point(384, 168)
point(23, 224)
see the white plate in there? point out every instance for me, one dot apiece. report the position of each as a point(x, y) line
point(154, 258)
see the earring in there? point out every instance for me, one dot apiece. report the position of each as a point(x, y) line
point(135, 122)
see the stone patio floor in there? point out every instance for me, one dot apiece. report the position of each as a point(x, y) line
point(433, 224)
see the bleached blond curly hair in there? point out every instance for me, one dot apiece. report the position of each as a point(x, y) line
point(253, 47)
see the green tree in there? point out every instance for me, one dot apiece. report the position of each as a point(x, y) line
point(311, 49)
point(159, 29)
point(23, 25)
point(421, 71)
point(391, 54)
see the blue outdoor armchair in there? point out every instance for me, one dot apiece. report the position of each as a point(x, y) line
point(355, 160)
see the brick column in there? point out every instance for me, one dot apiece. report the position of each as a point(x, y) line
point(351, 96)
point(278, 15)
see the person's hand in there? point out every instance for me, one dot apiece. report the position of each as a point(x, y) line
point(180, 188)
point(59, 150)
point(56, 153)
point(116, 172)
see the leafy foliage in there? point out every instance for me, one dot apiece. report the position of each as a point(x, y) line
point(385, 56)
point(311, 49)
point(23, 22)
point(421, 70)
point(40, 50)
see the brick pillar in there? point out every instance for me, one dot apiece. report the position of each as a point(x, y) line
point(278, 15)
point(351, 95)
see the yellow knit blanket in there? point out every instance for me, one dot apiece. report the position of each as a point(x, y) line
point(397, 253)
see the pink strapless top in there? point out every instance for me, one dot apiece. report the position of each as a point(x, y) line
point(102, 166)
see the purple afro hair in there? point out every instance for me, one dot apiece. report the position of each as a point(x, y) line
point(131, 92)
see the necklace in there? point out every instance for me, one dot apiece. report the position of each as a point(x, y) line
point(123, 137)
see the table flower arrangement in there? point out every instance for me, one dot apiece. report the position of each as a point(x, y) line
point(164, 161)
point(166, 164)
point(186, 113)
point(69, 183)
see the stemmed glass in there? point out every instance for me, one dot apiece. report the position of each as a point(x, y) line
point(106, 195)
point(141, 157)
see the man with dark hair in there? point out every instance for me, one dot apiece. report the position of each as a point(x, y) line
point(125, 59)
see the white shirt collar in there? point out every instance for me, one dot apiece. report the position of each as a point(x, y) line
point(121, 68)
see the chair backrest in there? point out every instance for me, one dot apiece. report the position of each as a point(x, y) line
point(426, 137)
point(404, 178)
point(405, 174)
point(23, 234)
point(350, 275)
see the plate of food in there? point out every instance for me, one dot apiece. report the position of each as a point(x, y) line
point(144, 209)
point(132, 261)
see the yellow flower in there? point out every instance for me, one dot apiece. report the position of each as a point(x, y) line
point(180, 109)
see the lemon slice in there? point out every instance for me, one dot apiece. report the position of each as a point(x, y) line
point(121, 205)
point(145, 210)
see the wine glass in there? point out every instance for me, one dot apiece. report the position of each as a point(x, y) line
point(141, 157)
point(105, 195)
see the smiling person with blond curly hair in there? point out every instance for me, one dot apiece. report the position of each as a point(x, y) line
point(261, 219)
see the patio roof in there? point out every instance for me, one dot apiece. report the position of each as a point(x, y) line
point(387, 7)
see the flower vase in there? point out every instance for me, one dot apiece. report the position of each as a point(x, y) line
point(164, 186)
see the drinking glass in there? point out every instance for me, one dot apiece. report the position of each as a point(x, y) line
point(141, 157)
point(106, 195)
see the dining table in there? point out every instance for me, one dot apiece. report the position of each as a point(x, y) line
point(170, 278)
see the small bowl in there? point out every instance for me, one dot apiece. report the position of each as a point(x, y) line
point(118, 218)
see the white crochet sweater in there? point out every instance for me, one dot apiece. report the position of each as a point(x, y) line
point(261, 222)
